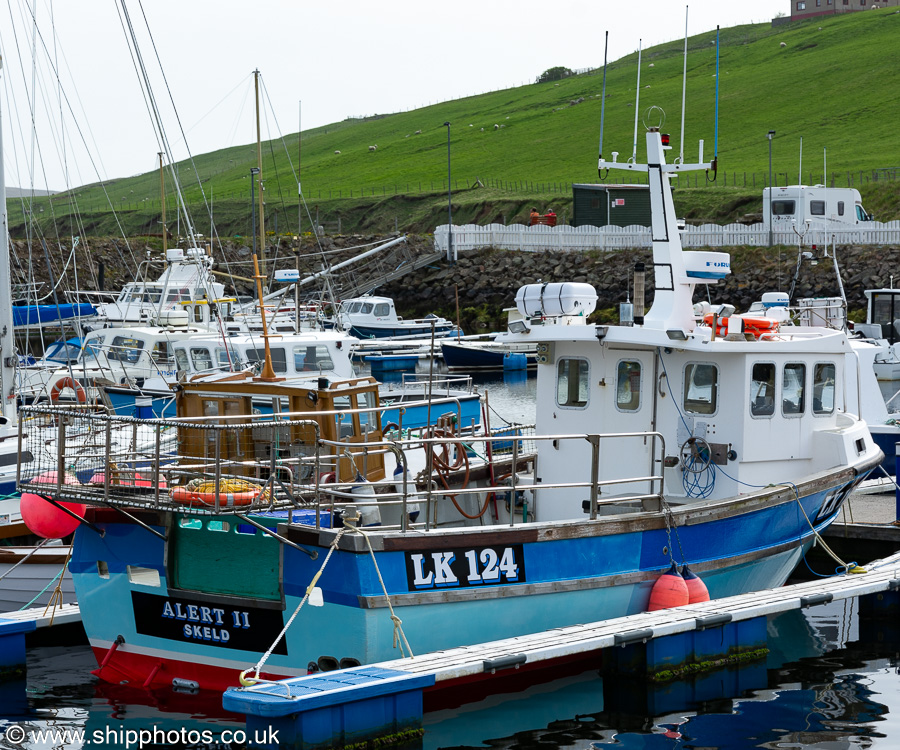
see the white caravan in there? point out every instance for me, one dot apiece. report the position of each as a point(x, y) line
point(822, 207)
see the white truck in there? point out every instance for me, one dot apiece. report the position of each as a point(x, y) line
point(822, 207)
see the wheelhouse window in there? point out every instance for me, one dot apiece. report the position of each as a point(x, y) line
point(126, 349)
point(366, 309)
point(312, 359)
point(783, 208)
point(572, 382)
point(92, 349)
point(762, 389)
point(823, 388)
point(628, 386)
point(382, 309)
point(161, 353)
point(817, 208)
point(701, 385)
point(198, 313)
point(793, 392)
point(279, 358)
point(181, 360)
point(201, 358)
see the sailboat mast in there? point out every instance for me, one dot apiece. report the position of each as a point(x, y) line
point(262, 218)
point(162, 194)
point(7, 343)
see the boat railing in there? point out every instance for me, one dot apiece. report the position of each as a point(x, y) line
point(439, 384)
point(267, 464)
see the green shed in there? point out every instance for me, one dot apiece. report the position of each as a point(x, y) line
point(619, 205)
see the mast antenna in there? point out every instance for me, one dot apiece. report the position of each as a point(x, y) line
point(637, 100)
point(683, 86)
point(603, 106)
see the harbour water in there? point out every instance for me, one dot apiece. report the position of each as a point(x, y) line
point(831, 680)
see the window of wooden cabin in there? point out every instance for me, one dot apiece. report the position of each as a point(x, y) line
point(701, 388)
point(762, 389)
point(628, 386)
point(823, 388)
point(793, 389)
point(278, 354)
point(572, 384)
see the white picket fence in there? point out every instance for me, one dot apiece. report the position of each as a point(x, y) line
point(571, 239)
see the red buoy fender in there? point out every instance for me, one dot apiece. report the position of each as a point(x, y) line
point(670, 590)
point(697, 591)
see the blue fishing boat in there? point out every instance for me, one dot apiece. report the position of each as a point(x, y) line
point(724, 445)
point(372, 317)
point(488, 355)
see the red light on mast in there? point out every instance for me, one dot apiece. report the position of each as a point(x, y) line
point(665, 139)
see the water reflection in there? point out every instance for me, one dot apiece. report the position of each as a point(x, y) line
point(829, 681)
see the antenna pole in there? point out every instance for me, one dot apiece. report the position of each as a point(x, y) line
point(162, 193)
point(716, 142)
point(800, 170)
point(683, 85)
point(603, 101)
point(299, 154)
point(262, 217)
point(637, 99)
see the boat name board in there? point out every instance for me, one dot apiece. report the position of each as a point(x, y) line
point(464, 567)
point(175, 619)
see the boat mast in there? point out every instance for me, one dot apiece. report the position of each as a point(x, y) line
point(7, 342)
point(262, 218)
point(162, 195)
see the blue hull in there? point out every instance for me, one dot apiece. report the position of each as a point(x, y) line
point(449, 587)
point(393, 332)
point(461, 357)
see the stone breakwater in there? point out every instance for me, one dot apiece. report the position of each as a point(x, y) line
point(486, 280)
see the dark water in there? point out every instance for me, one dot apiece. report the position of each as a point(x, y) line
point(831, 680)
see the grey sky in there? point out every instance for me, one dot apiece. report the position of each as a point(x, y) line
point(341, 58)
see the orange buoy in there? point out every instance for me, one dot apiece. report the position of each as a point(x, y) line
point(697, 591)
point(670, 590)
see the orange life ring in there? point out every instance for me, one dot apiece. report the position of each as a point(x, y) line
point(68, 382)
point(752, 325)
point(188, 495)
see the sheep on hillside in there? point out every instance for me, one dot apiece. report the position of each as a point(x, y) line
point(337, 152)
point(373, 148)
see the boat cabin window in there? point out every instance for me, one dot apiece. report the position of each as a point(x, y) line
point(572, 382)
point(783, 208)
point(817, 208)
point(366, 309)
point(312, 359)
point(142, 294)
point(63, 352)
point(762, 389)
point(354, 307)
point(279, 358)
point(198, 313)
point(628, 386)
point(181, 360)
point(382, 308)
point(793, 394)
point(222, 359)
point(823, 388)
point(840, 208)
point(701, 386)
point(201, 358)
point(161, 353)
point(125, 349)
point(92, 349)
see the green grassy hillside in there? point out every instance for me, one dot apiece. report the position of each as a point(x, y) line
point(831, 84)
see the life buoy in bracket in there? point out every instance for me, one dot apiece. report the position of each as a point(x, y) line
point(67, 382)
